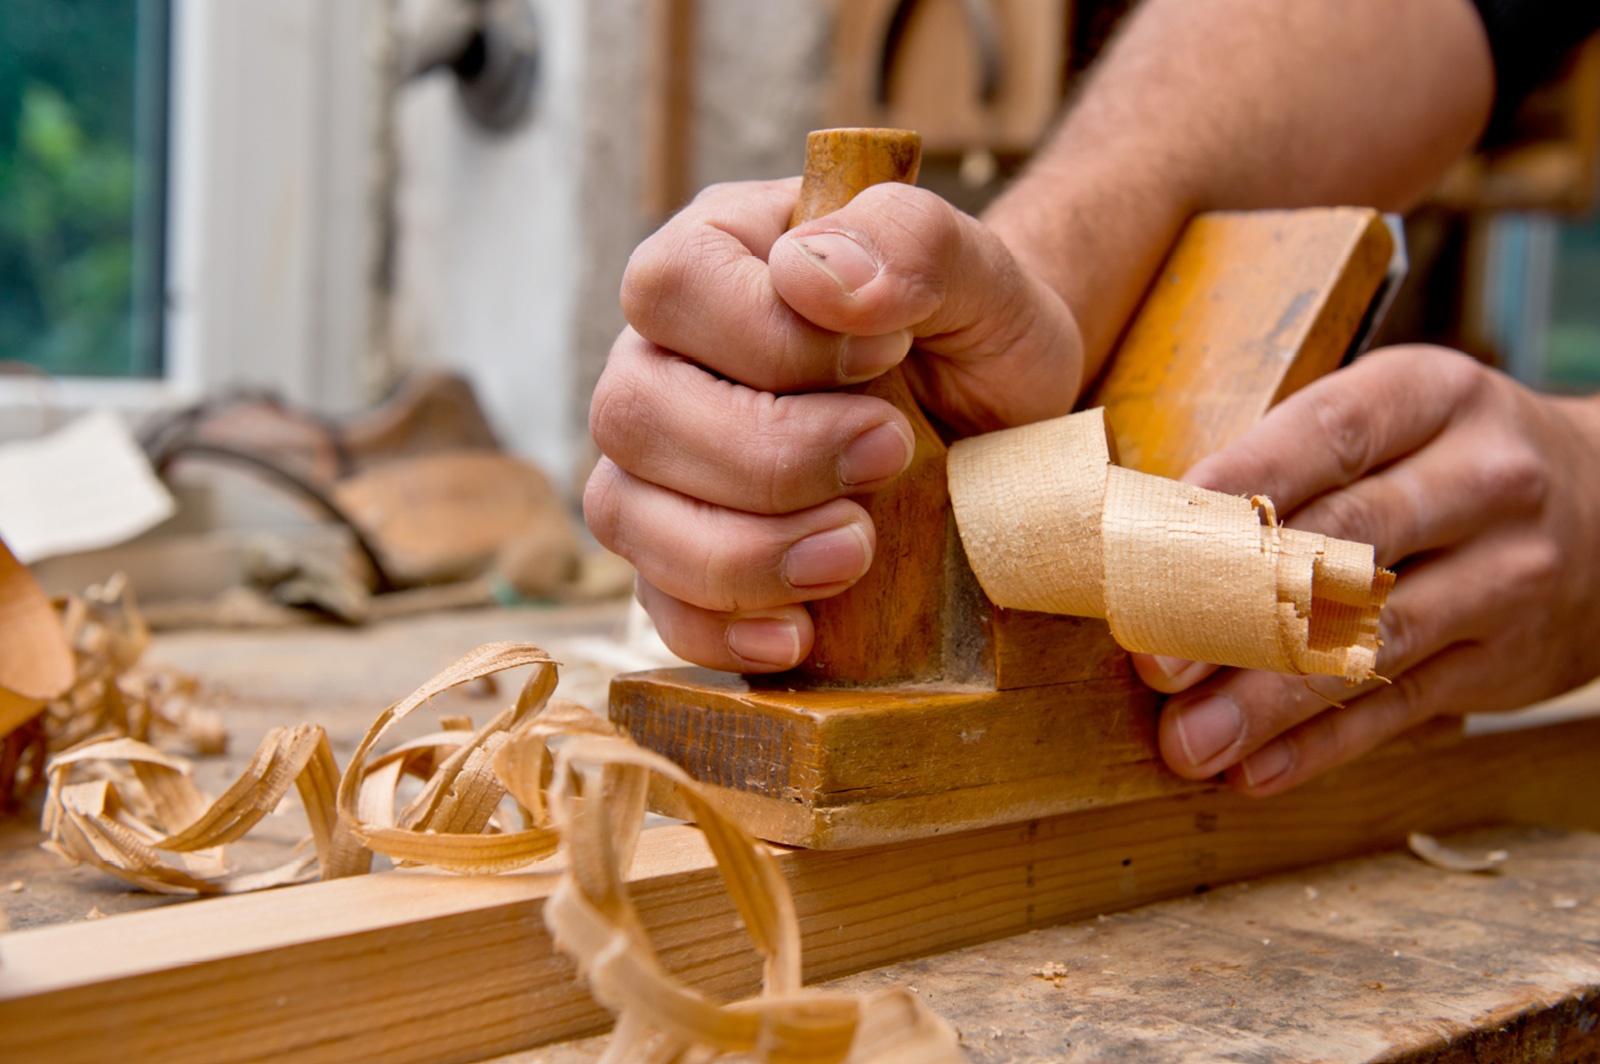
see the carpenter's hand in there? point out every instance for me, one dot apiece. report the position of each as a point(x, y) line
point(728, 464)
point(1484, 495)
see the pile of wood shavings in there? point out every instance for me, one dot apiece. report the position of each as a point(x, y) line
point(114, 694)
point(542, 777)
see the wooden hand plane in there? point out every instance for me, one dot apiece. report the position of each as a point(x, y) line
point(924, 709)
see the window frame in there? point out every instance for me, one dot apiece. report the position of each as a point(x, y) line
point(269, 239)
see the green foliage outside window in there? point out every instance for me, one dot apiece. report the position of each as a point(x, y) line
point(80, 184)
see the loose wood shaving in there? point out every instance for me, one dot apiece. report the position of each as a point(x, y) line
point(1050, 523)
point(578, 786)
point(1450, 859)
point(96, 642)
point(128, 809)
point(113, 689)
point(35, 666)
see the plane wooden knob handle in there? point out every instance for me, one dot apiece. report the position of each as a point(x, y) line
point(885, 629)
point(842, 162)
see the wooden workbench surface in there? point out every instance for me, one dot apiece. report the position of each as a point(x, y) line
point(1381, 958)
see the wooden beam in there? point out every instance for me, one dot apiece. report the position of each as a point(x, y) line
point(411, 967)
point(668, 107)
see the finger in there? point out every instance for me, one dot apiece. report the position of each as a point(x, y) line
point(1463, 481)
point(666, 420)
point(901, 258)
point(750, 641)
point(1454, 597)
point(727, 560)
point(1339, 428)
point(1213, 726)
point(1461, 677)
point(1462, 595)
point(1170, 675)
point(1440, 602)
point(700, 286)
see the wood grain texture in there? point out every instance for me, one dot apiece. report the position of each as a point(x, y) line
point(1030, 649)
point(1380, 959)
point(1248, 308)
point(877, 632)
point(429, 968)
point(876, 765)
point(1376, 960)
point(840, 163)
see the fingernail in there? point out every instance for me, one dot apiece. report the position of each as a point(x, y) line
point(841, 259)
point(1170, 667)
point(765, 641)
point(1209, 727)
point(830, 557)
point(868, 356)
point(877, 454)
point(1267, 764)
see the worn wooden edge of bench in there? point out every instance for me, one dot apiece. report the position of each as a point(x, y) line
point(426, 967)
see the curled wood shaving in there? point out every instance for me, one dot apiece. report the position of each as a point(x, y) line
point(578, 784)
point(1051, 523)
point(597, 803)
point(128, 809)
point(452, 825)
point(1451, 859)
point(582, 784)
point(113, 690)
point(105, 690)
point(35, 667)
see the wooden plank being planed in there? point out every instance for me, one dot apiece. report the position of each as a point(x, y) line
point(420, 967)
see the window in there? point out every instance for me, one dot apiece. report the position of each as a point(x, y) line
point(1572, 355)
point(83, 150)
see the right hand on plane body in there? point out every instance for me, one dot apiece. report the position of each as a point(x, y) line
point(730, 458)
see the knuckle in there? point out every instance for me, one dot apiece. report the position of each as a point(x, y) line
point(719, 191)
point(1272, 705)
point(661, 272)
point(790, 463)
point(726, 578)
point(649, 281)
point(926, 236)
point(771, 478)
point(1339, 424)
point(622, 416)
point(1398, 633)
point(1463, 376)
point(1536, 564)
point(1351, 515)
point(800, 356)
point(1511, 474)
point(1408, 702)
point(1455, 375)
point(600, 506)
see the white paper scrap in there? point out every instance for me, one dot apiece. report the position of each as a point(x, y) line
point(83, 487)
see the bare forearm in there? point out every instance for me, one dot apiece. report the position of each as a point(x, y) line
point(1238, 104)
